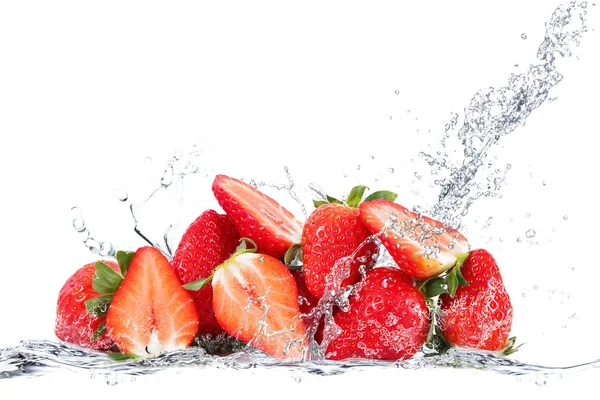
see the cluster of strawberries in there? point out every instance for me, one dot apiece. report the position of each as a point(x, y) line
point(258, 274)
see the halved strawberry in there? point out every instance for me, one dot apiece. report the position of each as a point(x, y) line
point(151, 312)
point(421, 246)
point(207, 242)
point(257, 216)
point(255, 299)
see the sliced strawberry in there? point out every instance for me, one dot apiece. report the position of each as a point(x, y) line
point(421, 246)
point(207, 242)
point(255, 299)
point(74, 324)
point(151, 312)
point(257, 216)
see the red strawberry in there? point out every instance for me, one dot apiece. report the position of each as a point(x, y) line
point(207, 242)
point(73, 322)
point(257, 216)
point(306, 300)
point(421, 246)
point(388, 319)
point(255, 299)
point(151, 312)
point(331, 236)
point(479, 315)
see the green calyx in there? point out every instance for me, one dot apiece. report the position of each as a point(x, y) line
point(106, 281)
point(241, 249)
point(356, 197)
point(510, 348)
point(447, 283)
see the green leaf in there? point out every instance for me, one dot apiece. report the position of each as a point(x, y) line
point(293, 257)
point(243, 248)
point(356, 195)
point(510, 348)
point(460, 277)
point(319, 203)
point(106, 280)
point(382, 194)
point(98, 306)
point(124, 259)
point(198, 284)
point(452, 282)
point(333, 200)
point(434, 287)
point(99, 332)
point(122, 356)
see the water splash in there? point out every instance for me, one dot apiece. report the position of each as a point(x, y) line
point(495, 112)
point(37, 357)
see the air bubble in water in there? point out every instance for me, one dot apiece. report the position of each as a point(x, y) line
point(530, 233)
point(121, 195)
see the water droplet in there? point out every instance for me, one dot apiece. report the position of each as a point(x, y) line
point(565, 217)
point(530, 233)
point(372, 157)
point(298, 379)
point(527, 215)
point(583, 4)
point(397, 91)
point(79, 225)
point(121, 195)
point(148, 161)
point(391, 170)
point(358, 167)
point(523, 36)
point(519, 240)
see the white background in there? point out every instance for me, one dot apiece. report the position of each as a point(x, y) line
point(89, 90)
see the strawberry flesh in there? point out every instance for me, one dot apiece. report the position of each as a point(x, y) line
point(255, 299)
point(421, 246)
point(151, 312)
point(257, 216)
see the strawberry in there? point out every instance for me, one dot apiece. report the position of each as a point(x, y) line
point(150, 311)
point(479, 315)
point(306, 300)
point(421, 246)
point(387, 319)
point(207, 242)
point(257, 216)
point(335, 236)
point(255, 299)
point(73, 322)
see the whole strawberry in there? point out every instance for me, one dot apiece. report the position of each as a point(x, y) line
point(335, 236)
point(257, 216)
point(207, 242)
point(388, 319)
point(479, 315)
point(74, 324)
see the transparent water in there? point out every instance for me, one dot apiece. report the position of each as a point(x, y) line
point(461, 172)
